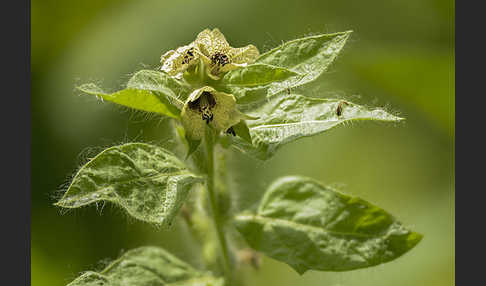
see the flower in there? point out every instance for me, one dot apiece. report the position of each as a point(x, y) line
point(219, 56)
point(212, 48)
point(206, 106)
point(211, 55)
point(174, 63)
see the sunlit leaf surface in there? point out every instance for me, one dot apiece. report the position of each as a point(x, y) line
point(311, 226)
point(307, 57)
point(147, 266)
point(149, 182)
point(287, 117)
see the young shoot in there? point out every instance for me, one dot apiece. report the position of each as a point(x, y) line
point(246, 102)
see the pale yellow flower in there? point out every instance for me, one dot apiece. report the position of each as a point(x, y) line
point(208, 106)
point(219, 56)
point(175, 62)
point(212, 48)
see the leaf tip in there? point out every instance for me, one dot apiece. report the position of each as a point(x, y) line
point(413, 239)
point(60, 203)
point(299, 268)
point(90, 88)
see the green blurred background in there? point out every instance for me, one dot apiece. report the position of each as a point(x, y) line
point(401, 56)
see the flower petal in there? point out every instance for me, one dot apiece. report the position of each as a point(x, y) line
point(247, 54)
point(224, 113)
point(177, 61)
point(210, 42)
point(219, 57)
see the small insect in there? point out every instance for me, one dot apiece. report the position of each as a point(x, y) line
point(231, 131)
point(339, 109)
point(204, 105)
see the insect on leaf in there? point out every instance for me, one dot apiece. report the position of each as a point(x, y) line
point(311, 226)
point(287, 117)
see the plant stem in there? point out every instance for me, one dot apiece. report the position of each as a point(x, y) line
point(215, 208)
point(202, 72)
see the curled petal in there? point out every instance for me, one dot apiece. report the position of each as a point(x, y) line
point(177, 61)
point(211, 42)
point(247, 54)
point(219, 56)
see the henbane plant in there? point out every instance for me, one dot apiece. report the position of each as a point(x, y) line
point(235, 99)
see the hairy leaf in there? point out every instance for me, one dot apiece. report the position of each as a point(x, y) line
point(287, 117)
point(147, 266)
point(307, 57)
point(310, 226)
point(256, 75)
point(149, 91)
point(177, 90)
point(149, 182)
point(306, 54)
point(242, 130)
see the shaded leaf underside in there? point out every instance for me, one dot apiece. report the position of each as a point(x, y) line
point(177, 90)
point(147, 90)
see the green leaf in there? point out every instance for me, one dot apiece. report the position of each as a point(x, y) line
point(307, 57)
point(177, 90)
point(287, 117)
point(242, 130)
point(191, 145)
point(309, 54)
point(147, 266)
point(149, 91)
point(256, 75)
point(311, 226)
point(149, 182)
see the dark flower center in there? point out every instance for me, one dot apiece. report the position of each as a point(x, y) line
point(188, 56)
point(220, 59)
point(231, 131)
point(204, 105)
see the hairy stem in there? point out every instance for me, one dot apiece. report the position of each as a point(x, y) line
point(218, 223)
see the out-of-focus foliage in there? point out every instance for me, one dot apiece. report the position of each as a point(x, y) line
point(400, 57)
